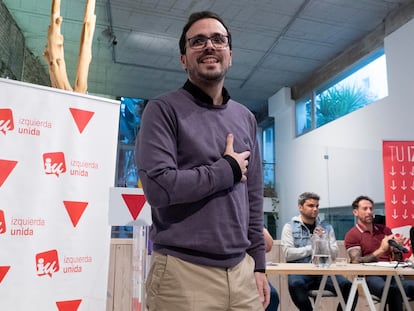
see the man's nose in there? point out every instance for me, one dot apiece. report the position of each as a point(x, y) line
point(209, 44)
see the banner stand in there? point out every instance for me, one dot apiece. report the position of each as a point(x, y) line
point(129, 207)
point(57, 161)
point(141, 257)
point(398, 172)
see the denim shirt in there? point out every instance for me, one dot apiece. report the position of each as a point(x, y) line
point(296, 235)
point(302, 236)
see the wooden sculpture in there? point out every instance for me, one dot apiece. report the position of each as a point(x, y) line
point(54, 54)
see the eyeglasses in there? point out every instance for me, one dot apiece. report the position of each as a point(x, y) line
point(199, 42)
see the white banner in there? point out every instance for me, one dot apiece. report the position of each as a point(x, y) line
point(57, 163)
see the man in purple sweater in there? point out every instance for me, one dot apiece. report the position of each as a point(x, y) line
point(199, 163)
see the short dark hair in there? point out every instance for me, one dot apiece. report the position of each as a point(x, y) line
point(194, 18)
point(360, 198)
point(306, 196)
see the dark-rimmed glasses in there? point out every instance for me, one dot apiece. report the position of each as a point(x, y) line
point(200, 41)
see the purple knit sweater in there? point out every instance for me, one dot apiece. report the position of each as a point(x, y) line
point(199, 214)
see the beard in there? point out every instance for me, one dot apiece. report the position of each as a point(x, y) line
point(368, 219)
point(207, 75)
point(215, 72)
point(213, 76)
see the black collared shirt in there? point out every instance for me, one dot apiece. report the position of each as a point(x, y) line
point(202, 96)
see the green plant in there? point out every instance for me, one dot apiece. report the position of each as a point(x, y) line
point(270, 192)
point(338, 101)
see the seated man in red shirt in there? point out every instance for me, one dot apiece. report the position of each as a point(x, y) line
point(368, 242)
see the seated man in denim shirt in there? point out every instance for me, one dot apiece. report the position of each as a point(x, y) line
point(297, 247)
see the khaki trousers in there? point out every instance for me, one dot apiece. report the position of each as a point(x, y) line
point(176, 285)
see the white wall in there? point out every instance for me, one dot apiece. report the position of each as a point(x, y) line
point(353, 144)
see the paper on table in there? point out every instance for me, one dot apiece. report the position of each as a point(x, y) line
point(388, 264)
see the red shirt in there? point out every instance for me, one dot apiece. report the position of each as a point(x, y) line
point(359, 236)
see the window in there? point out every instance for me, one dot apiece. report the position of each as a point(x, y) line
point(304, 116)
point(361, 85)
point(267, 149)
point(342, 218)
point(129, 122)
point(126, 171)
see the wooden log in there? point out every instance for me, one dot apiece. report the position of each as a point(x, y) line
point(85, 49)
point(54, 54)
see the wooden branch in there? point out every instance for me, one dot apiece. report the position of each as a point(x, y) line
point(53, 53)
point(85, 49)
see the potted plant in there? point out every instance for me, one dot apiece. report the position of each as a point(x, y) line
point(271, 200)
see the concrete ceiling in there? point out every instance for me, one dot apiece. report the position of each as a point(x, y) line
point(276, 43)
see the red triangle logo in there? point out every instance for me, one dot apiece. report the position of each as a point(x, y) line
point(69, 305)
point(135, 203)
point(81, 117)
point(75, 210)
point(3, 272)
point(6, 168)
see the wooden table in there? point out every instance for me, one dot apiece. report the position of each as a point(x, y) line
point(357, 271)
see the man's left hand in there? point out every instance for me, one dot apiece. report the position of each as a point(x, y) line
point(263, 288)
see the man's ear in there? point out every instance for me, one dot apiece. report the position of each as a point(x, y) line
point(183, 60)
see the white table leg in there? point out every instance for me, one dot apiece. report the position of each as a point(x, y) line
point(385, 292)
point(320, 290)
point(352, 293)
point(338, 292)
point(359, 280)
